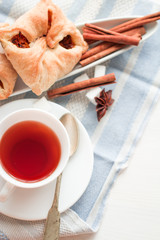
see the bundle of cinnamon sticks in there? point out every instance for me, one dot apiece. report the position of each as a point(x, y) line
point(111, 40)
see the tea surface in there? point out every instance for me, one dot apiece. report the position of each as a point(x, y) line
point(29, 151)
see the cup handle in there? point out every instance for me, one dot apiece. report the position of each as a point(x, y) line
point(6, 190)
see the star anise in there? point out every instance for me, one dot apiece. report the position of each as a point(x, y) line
point(103, 102)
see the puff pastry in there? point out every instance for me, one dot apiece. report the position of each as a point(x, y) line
point(8, 77)
point(42, 45)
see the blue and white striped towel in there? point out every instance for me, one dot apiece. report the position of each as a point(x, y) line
point(115, 136)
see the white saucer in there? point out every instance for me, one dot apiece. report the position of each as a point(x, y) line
point(33, 204)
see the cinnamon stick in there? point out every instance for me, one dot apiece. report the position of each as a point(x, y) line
point(83, 85)
point(136, 24)
point(104, 45)
point(94, 28)
point(101, 54)
point(151, 17)
point(98, 48)
point(122, 39)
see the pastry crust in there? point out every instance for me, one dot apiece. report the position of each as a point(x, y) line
point(46, 57)
point(8, 77)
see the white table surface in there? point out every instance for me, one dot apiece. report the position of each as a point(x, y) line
point(133, 208)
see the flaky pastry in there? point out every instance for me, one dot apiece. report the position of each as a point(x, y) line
point(8, 77)
point(42, 45)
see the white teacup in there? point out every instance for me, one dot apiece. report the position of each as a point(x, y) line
point(47, 120)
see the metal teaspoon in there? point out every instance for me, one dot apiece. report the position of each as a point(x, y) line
point(52, 226)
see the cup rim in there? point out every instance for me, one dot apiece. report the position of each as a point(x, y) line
point(7, 177)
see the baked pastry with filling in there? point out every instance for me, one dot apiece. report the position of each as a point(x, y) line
point(42, 45)
point(8, 77)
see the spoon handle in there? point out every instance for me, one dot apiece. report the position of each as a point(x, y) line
point(52, 225)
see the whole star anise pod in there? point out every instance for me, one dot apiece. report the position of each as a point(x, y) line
point(103, 102)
